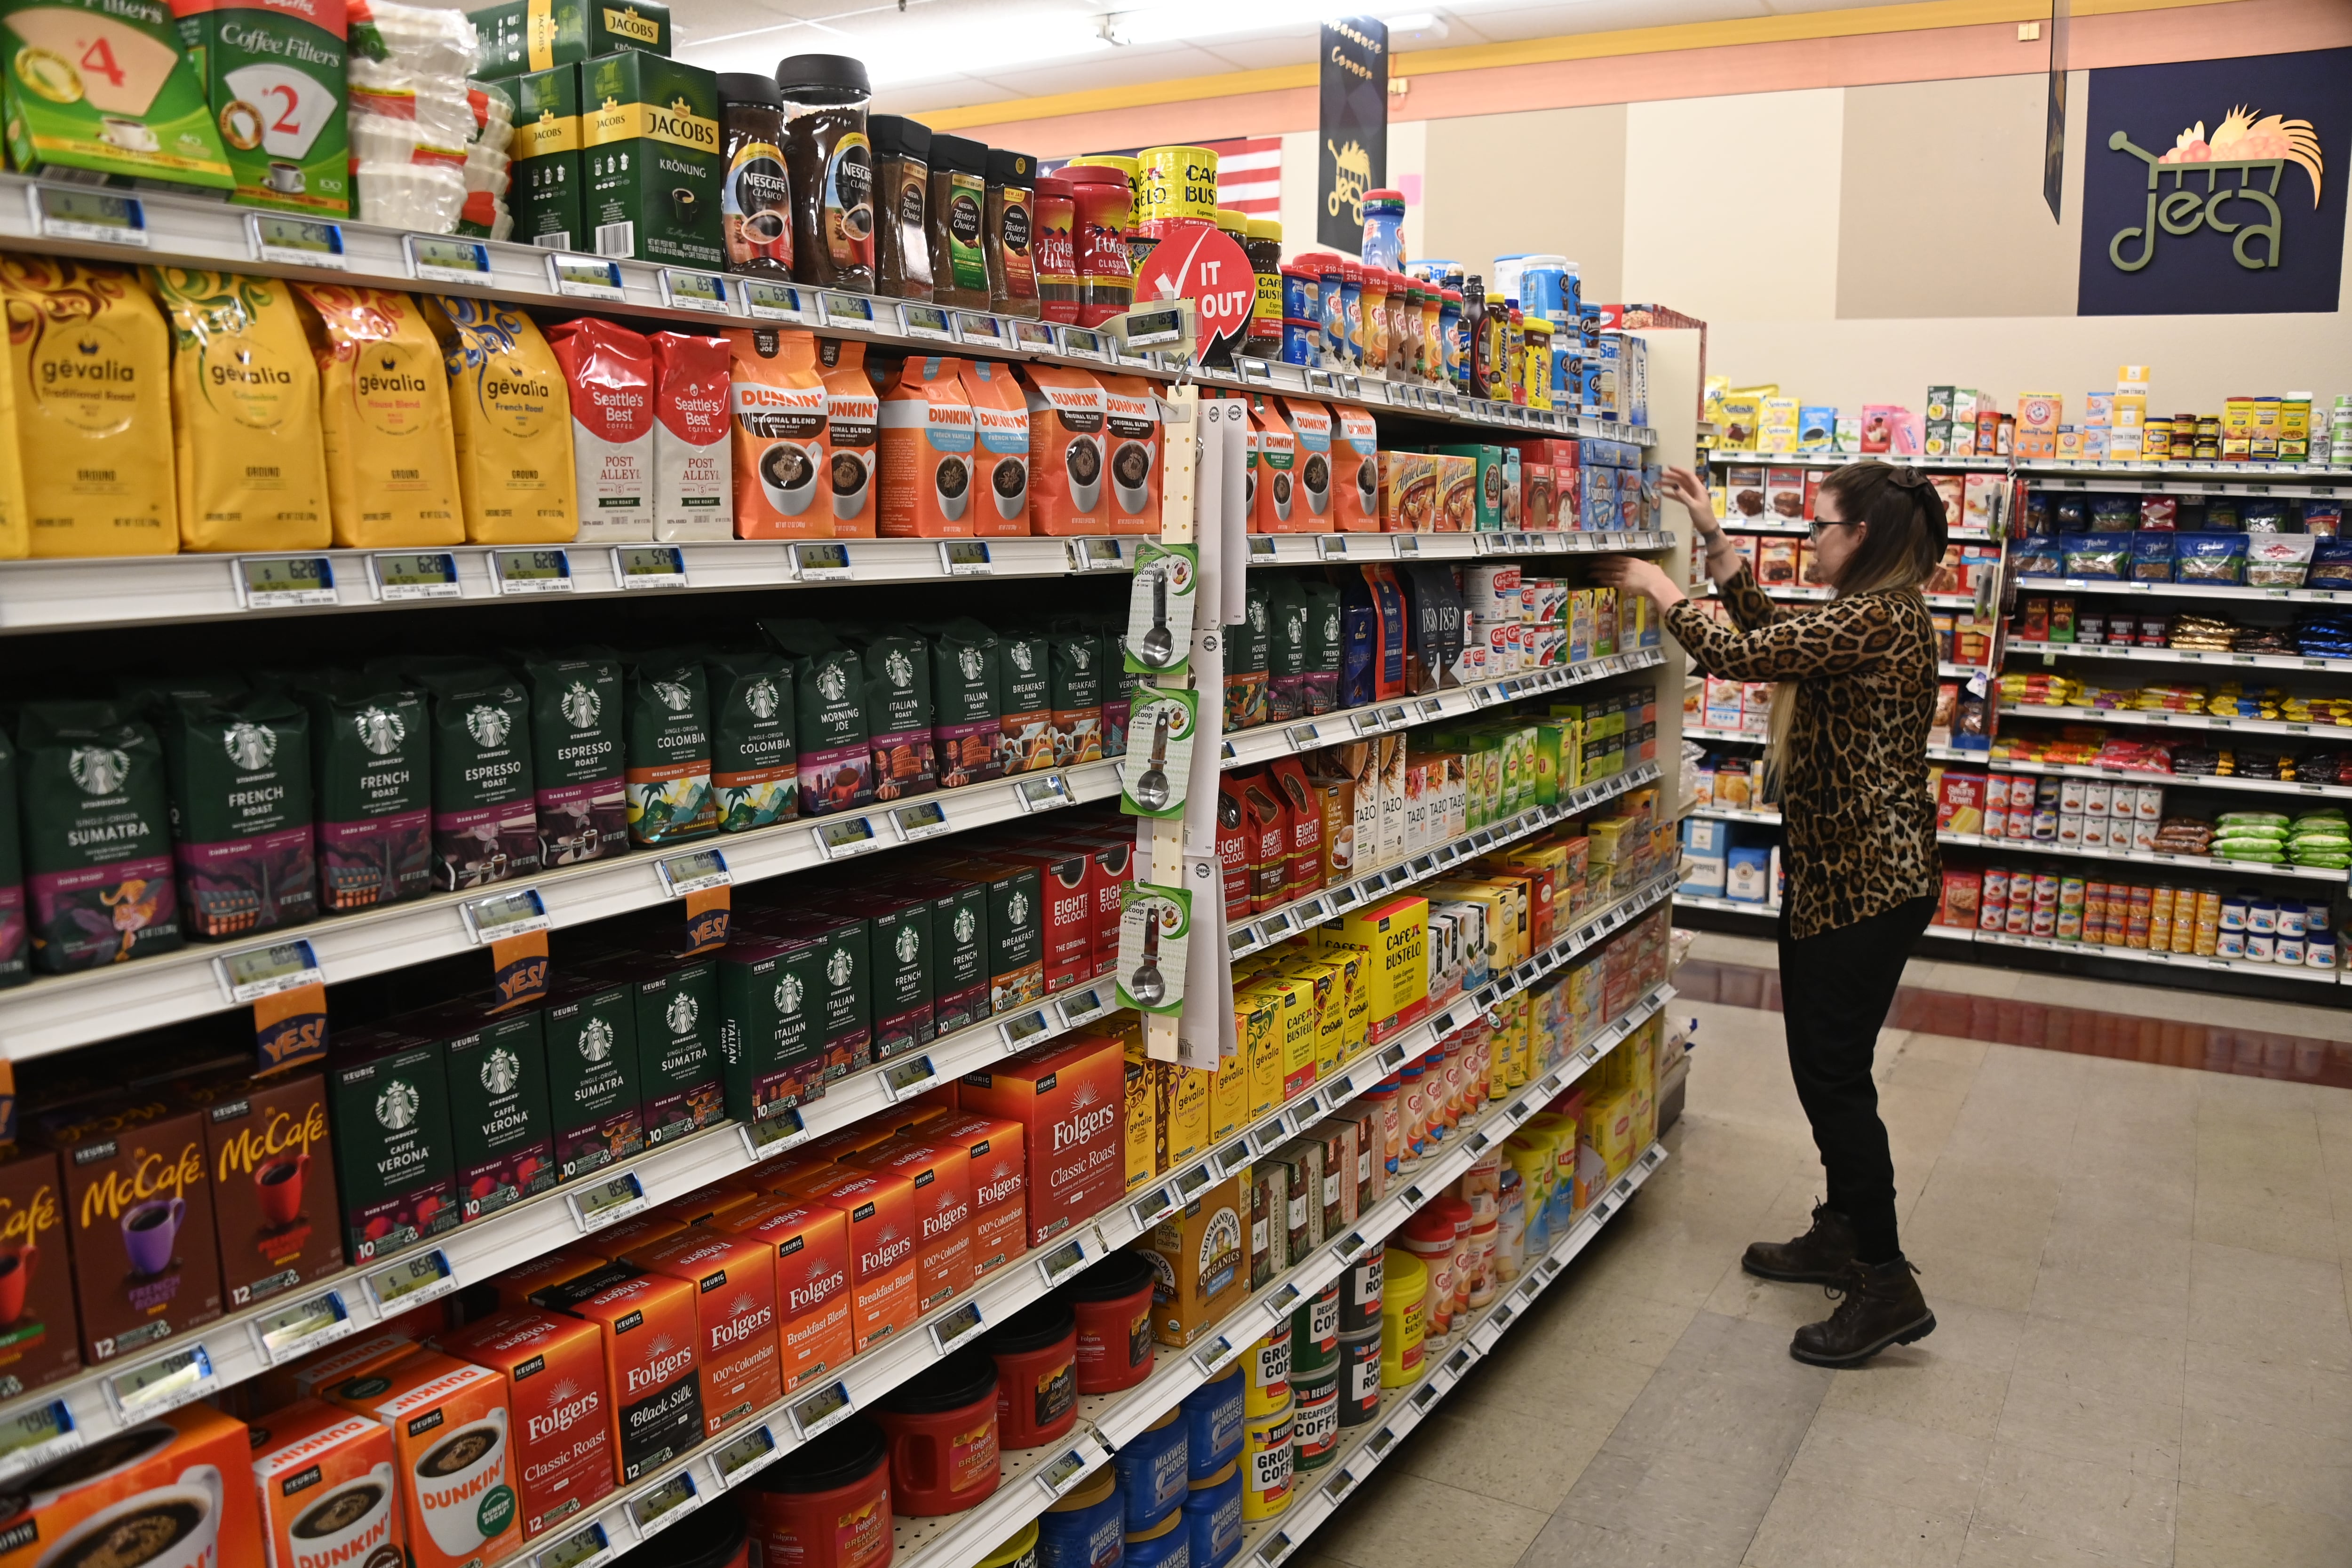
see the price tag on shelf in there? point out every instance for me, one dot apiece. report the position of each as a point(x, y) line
point(655, 1511)
point(1096, 555)
point(1023, 1027)
point(260, 972)
point(922, 820)
point(164, 1384)
point(1033, 337)
point(1408, 547)
point(583, 1548)
point(1086, 1004)
point(531, 571)
point(846, 310)
point(965, 558)
point(683, 290)
point(841, 837)
point(284, 582)
point(777, 1130)
point(821, 563)
point(1080, 343)
point(1042, 792)
point(585, 277)
point(439, 258)
point(818, 1412)
point(285, 241)
point(649, 565)
point(921, 320)
point(1063, 1261)
point(1058, 1476)
point(983, 330)
point(773, 301)
point(303, 1327)
point(411, 1282)
point(94, 215)
point(1302, 737)
point(745, 1455)
point(607, 1201)
point(907, 1077)
point(414, 575)
point(35, 1436)
point(696, 871)
point(1330, 547)
point(955, 1326)
point(502, 917)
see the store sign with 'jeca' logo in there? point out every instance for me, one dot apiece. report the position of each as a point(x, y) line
point(2216, 187)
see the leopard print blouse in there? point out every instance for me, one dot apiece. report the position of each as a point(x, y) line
point(1859, 821)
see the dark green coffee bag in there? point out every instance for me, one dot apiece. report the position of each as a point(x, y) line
point(593, 1093)
point(96, 811)
point(898, 711)
point(575, 755)
point(754, 757)
point(371, 777)
point(15, 948)
point(1323, 646)
point(668, 721)
point(500, 1133)
point(241, 813)
point(836, 769)
point(1286, 616)
point(1074, 688)
point(485, 813)
point(1024, 701)
point(966, 667)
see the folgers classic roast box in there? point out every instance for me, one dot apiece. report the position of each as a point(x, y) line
point(740, 1362)
point(174, 1489)
point(324, 1477)
point(1066, 1098)
point(556, 1409)
point(595, 1112)
point(649, 133)
point(650, 1332)
point(808, 1248)
point(388, 1102)
point(36, 1287)
point(275, 1202)
point(452, 1460)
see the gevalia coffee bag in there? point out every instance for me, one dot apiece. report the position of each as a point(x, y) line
point(513, 424)
point(384, 404)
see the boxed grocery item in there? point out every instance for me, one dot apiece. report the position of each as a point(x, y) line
point(557, 1402)
point(680, 1063)
point(274, 1203)
point(1066, 1098)
point(649, 129)
point(941, 1170)
point(500, 1135)
point(592, 1087)
point(1200, 1259)
point(37, 1343)
point(808, 1247)
point(273, 71)
point(323, 1475)
point(884, 1273)
point(453, 1464)
point(734, 1282)
point(647, 1325)
point(96, 93)
point(182, 1479)
point(1485, 484)
point(547, 182)
point(519, 36)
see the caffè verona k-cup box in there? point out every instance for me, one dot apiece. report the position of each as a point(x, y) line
point(325, 1480)
point(388, 1102)
point(176, 1488)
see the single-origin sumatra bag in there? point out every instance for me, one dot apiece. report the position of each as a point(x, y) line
point(96, 813)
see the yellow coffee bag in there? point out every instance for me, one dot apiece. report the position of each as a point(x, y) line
point(88, 360)
point(513, 415)
point(252, 470)
point(383, 400)
point(16, 523)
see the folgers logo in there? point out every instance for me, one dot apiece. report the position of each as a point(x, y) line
point(1084, 1128)
point(819, 1285)
point(750, 1321)
point(558, 1419)
point(661, 1368)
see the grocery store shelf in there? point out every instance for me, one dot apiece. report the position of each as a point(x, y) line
point(2180, 655)
point(56, 1013)
point(1736, 813)
point(1309, 549)
point(2183, 589)
point(2212, 863)
point(1840, 459)
point(1804, 594)
point(1741, 737)
point(2127, 777)
point(1314, 1498)
point(1728, 906)
point(2142, 955)
point(2177, 720)
point(1946, 670)
point(1275, 925)
point(1804, 529)
point(2292, 480)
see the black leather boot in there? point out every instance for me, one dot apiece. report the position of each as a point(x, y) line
point(1878, 1305)
point(1816, 1257)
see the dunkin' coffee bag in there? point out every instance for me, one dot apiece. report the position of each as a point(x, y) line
point(966, 671)
point(898, 712)
point(1025, 703)
point(246, 448)
point(15, 946)
point(241, 813)
point(90, 367)
point(1131, 432)
point(383, 409)
point(667, 704)
point(754, 762)
point(513, 423)
point(610, 371)
point(782, 457)
point(371, 779)
point(853, 415)
point(575, 756)
point(1065, 450)
point(485, 811)
point(999, 417)
point(926, 455)
point(693, 481)
point(1074, 688)
point(95, 807)
point(1355, 468)
point(837, 770)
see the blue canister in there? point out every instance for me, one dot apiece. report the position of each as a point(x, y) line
point(1165, 1544)
point(1430, 271)
point(1384, 230)
point(1352, 299)
point(1213, 1512)
point(1331, 309)
point(1542, 281)
point(1302, 294)
point(1212, 1424)
point(1298, 341)
point(1087, 1529)
point(1456, 365)
point(1152, 1470)
point(1566, 369)
point(1588, 329)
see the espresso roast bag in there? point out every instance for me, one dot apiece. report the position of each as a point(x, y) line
point(575, 755)
point(610, 371)
point(513, 421)
point(754, 759)
point(898, 711)
point(241, 812)
point(383, 406)
point(371, 774)
point(247, 449)
point(667, 707)
point(96, 814)
point(836, 771)
point(966, 672)
point(485, 813)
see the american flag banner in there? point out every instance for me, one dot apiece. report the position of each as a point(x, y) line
point(1249, 171)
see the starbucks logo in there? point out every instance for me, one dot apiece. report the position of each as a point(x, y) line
point(1017, 909)
point(99, 770)
point(1022, 658)
point(966, 926)
point(831, 683)
point(1332, 626)
point(249, 746)
point(395, 1106)
point(1257, 615)
point(908, 944)
point(836, 969)
point(488, 725)
point(789, 990)
point(762, 697)
point(596, 1040)
point(1081, 655)
point(680, 1014)
point(900, 667)
point(969, 661)
point(501, 1071)
point(580, 705)
point(674, 697)
point(381, 731)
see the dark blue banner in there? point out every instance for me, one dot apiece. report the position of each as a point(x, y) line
point(2216, 187)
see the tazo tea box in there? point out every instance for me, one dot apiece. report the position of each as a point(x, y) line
point(650, 1339)
point(1067, 408)
point(592, 1085)
point(37, 1301)
point(273, 71)
point(548, 184)
point(451, 1455)
point(853, 415)
point(274, 1203)
point(556, 1407)
point(649, 135)
point(999, 417)
point(139, 1219)
point(808, 1248)
point(1066, 1098)
point(500, 1130)
point(927, 451)
point(324, 1477)
point(388, 1104)
point(734, 1286)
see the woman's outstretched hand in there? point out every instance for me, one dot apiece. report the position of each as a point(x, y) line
point(1631, 572)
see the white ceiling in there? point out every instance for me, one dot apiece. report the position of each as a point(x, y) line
point(944, 54)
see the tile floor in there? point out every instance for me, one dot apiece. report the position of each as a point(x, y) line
point(2142, 1277)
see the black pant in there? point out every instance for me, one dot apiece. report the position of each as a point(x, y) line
point(1835, 989)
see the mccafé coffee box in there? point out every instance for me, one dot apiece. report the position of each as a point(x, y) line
point(1000, 1219)
point(556, 1402)
point(649, 137)
point(734, 1286)
point(592, 1088)
point(649, 1333)
point(275, 1203)
point(808, 1246)
point(138, 1221)
point(1065, 1097)
point(37, 1343)
point(451, 1461)
point(499, 1132)
point(176, 1485)
point(323, 1476)
point(388, 1104)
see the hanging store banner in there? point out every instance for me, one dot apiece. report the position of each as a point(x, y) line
point(2216, 187)
point(1353, 156)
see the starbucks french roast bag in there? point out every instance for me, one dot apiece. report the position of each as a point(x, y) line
point(694, 477)
point(853, 432)
point(666, 703)
point(609, 371)
point(837, 770)
point(576, 761)
point(754, 753)
point(781, 454)
point(371, 774)
point(89, 365)
point(927, 453)
point(484, 809)
point(1067, 491)
point(384, 407)
point(513, 423)
point(1000, 418)
point(241, 812)
point(1131, 435)
point(247, 453)
point(95, 807)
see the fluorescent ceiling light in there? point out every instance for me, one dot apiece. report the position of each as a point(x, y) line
point(925, 51)
point(1190, 20)
point(1413, 22)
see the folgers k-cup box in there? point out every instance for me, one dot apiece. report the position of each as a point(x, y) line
point(323, 1476)
point(175, 1488)
point(884, 1274)
point(274, 1203)
point(941, 1172)
point(451, 1466)
point(1000, 1220)
point(649, 1335)
point(1066, 1098)
point(807, 1246)
point(556, 1404)
point(734, 1284)
point(37, 1304)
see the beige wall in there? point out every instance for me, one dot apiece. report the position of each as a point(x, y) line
point(1549, 181)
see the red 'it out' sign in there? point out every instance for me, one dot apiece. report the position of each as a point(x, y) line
point(1198, 261)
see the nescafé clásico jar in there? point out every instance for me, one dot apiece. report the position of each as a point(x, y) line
point(755, 203)
point(830, 161)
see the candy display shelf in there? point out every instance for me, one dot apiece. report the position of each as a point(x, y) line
point(2184, 590)
point(2174, 780)
point(1317, 1495)
point(1309, 549)
point(2178, 720)
point(2211, 657)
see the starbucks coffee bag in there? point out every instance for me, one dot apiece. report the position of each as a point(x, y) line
point(95, 808)
point(836, 772)
point(383, 410)
point(966, 671)
point(485, 812)
point(754, 760)
point(371, 773)
point(898, 711)
point(513, 418)
point(241, 813)
point(667, 704)
point(576, 754)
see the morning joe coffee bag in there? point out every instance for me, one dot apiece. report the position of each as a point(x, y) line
point(371, 777)
point(667, 704)
point(754, 764)
point(241, 813)
point(836, 771)
point(95, 808)
point(485, 813)
point(610, 371)
point(575, 756)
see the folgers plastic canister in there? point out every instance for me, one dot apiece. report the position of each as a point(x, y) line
point(1359, 1377)
point(1035, 1351)
point(1113, 1303)
point(1087, 1529)
point(1213, 1511)
point(1166, 1543)
point(1265, 1369)
point(1152, 1470)
point(1020, 1552)
point(944, 1436)
point(1214, 1416)
point(1407, 1284)
point(1266, 1466)
point(826, 1504)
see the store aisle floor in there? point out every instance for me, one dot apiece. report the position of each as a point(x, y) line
point(2142, 1277)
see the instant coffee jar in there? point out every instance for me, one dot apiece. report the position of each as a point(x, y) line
point(958, 221)
point(1263, 248)
point(829, 159)
point(755, 203)
point(1012, 233)
point(1057, 253)
point(1102, 199)
point(902, 204)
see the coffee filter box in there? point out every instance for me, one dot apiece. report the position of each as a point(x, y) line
point(143, 116)
point(184, 1478)
point(323, 1477)
point(453, 1456)
point(274, 74)
point(781, 457)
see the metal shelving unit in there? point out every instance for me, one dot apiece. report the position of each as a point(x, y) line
point(2197, 655)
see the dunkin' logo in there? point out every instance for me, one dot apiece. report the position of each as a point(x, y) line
point(572, 1404)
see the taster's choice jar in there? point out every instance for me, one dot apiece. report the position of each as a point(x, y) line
point(958, 222)
point(829, 159)
point(1010, 235)
point(755, 203)
point(902, 202)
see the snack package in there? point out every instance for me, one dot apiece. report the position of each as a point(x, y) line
point(2208, 558)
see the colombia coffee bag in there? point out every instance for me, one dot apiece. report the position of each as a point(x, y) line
point(669, 709)
point(754, 761)
point(96, 811)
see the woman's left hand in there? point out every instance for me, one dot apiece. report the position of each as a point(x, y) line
point(1630, 572)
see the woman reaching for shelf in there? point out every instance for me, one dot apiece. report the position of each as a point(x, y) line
point(1849, 752)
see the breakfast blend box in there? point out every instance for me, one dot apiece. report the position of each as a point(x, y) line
point(808, 1248)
